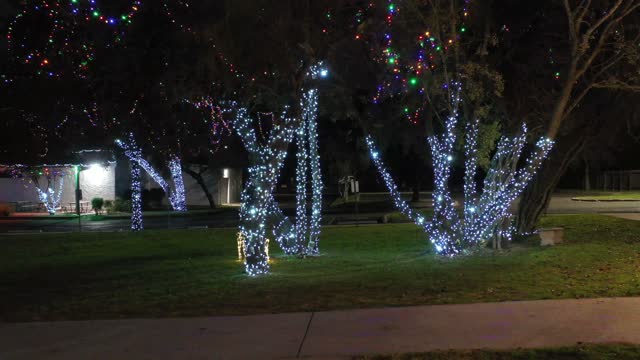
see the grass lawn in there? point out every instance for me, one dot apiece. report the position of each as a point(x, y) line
point(195, 272)
point(610, 196)
point(585, 352)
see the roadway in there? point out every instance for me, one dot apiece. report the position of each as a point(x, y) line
point(560, 204)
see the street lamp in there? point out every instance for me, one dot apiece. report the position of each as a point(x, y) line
point(225, 175)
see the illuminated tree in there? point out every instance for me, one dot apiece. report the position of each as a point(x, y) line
point(485, 214)
point(175, 194)
point(597, 51)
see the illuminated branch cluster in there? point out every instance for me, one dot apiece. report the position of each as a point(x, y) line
point(51, 195)
point(218, 125)
point(177, 195)
point(406, 72)
point(66, 24)
point(483, 217)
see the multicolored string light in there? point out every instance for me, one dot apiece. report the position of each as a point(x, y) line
point(405, 72)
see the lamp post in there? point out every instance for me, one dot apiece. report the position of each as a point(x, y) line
point(78, 196)
point(225, 175)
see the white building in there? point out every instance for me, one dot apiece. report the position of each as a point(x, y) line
point(108, 180)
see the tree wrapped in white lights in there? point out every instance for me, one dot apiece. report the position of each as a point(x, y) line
point(483, 217)
point(259, 209)
point(308, 159)
point(176, 195)
point(257, 200)
point(51, 195)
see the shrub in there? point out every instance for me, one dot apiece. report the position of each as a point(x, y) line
point(152, 198)
point(108, 206)
point(97, 204)
point(5, 210)
point(121, 205)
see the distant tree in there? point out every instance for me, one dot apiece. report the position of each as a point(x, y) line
point(596, 50)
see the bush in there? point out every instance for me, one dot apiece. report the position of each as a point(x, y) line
point(5, 210)
point(121, 205)
point(108, 206)
point(152, 199)
point(97, 204)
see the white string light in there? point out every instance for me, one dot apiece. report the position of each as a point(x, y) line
point(136, 197)
point(257, 197)
point(51, 197)
point(482, 218)
point(310, 116)
point(176, 196)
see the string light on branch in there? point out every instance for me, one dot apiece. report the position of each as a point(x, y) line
point(176, 195)
point(49, 195)
point(259, 209)
point(484, 217)
point(257, 200)
point(404, 70)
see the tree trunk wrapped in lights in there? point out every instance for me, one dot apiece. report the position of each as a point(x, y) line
point(136, 197)
point(258, 204)
point(308, 159)
point(176, 196)
point(483, 218)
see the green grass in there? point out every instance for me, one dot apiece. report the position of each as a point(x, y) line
point(610, 196)
point(189, 273)
point(398, 217)
point(583, 352)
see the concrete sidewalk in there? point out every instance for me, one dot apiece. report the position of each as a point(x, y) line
point(332, 334)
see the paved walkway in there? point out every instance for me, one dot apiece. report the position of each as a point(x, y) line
point(332, 334)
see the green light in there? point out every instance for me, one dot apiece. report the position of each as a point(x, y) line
point(124, 17)
point(406, 110)
point(96, 14)
point(392, 60)
point(391, 7)
point(74, 1)
point(438, 48)
point(463, 29)
point(558, 74)
point(413, 81)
